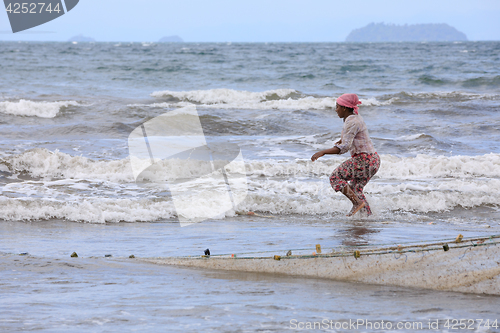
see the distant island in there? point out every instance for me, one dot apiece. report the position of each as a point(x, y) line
point(381, 32)
point(171, 39)
point(81, 38)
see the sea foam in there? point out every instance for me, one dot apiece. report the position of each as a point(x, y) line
point(290, 99)
point(81, 189)
point(280, 99)
point(225, 96)
point(35, 109)
point(42, 163)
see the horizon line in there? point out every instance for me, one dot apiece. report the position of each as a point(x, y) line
point(241, 42)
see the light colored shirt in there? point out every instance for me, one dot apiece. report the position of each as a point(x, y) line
point(355, 138)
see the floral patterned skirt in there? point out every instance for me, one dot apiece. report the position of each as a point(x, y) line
point(356, 172)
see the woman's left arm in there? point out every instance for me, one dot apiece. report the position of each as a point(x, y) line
point(351, 128)
point(333, 150)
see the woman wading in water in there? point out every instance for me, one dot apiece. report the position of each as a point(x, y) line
point(352, 175)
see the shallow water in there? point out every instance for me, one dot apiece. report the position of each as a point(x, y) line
point(100, 295)
point(47, 290)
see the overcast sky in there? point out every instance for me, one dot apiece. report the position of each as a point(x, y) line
point(256, 20)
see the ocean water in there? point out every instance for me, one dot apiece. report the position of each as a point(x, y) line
point(67, 184)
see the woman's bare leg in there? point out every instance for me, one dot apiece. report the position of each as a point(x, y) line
point(357, 203)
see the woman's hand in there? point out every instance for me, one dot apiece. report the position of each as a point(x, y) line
point(317, 155)
point(338, 142)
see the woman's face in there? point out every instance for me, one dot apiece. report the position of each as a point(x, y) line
point(340, 110)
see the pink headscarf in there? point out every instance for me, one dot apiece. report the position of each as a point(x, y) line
point(350, 101)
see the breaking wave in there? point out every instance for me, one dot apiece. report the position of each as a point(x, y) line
point(77, 188)
point(35, 109)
